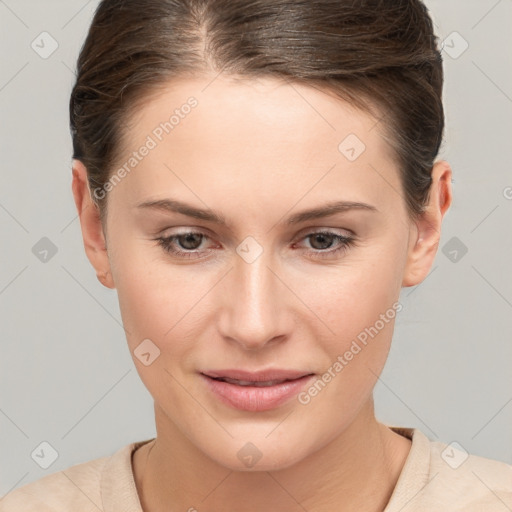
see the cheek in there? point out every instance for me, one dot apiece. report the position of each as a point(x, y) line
point(352, 297)
point(153, 299)
point(359, 308)
point(165, 303)
point(143, 297)
point(357, 304)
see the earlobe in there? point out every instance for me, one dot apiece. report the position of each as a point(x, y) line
point(91, 226)
point(425, 234)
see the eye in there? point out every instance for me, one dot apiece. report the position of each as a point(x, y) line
point(189, 241)
point(187, 244)
point(322, 241)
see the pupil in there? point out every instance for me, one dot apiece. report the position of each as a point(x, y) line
point(323, 237)
point(190, 237)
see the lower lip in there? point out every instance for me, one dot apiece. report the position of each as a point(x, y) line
point(253, 398)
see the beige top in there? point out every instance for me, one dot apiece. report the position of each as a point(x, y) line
point(435, 477)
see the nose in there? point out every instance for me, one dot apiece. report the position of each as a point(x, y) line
point(253, 312)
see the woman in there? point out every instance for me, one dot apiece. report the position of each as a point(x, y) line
point(258, 180)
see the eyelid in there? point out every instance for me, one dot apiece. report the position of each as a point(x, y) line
point(313, 230)
point(310, 230)
point(176, 231)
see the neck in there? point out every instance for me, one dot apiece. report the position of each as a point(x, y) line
point(358, 470)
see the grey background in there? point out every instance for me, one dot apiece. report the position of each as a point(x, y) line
point(66, 376)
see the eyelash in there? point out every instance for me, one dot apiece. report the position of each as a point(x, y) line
point(345, 243)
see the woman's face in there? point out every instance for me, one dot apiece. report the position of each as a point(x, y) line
point(260, 290)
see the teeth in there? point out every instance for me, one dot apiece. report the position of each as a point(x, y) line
point(249, 383)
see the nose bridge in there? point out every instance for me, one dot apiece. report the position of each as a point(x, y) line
point(253, 298)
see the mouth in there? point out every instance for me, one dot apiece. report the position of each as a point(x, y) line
point(258, 384)
point(255, 392)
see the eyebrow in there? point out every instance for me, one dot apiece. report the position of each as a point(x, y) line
point(331, 208)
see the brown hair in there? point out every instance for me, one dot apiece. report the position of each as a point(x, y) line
point(369, 52)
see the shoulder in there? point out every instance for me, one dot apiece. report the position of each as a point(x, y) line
point(470, 480)
point(78, 487)
point(444, 476)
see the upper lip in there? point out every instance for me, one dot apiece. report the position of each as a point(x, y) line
point(258, 376)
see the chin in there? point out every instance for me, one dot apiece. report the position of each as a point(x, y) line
point(263, 455)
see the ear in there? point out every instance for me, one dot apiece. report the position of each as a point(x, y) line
point(92, 229)
point(425, 232)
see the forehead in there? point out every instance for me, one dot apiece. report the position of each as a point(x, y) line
point(265, 135)
point(252, 107)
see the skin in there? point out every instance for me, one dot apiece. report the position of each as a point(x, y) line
point(258, 151)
